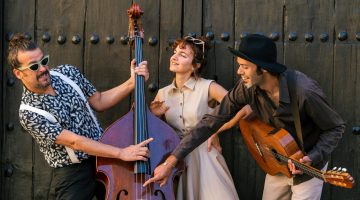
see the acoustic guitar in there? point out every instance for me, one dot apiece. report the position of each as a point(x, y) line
point(272, 148)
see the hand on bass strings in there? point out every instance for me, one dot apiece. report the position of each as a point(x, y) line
point(141, 70)
point(162, 172)
point(136, 152)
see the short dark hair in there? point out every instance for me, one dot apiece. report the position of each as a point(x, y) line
point(17, 43)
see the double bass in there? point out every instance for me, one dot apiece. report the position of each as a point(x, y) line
point(122, 179)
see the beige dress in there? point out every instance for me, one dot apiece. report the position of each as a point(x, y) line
point(207, 176)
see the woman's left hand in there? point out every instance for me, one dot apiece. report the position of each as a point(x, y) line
point(215, 142)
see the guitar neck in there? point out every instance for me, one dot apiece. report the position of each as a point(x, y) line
point(305, 168)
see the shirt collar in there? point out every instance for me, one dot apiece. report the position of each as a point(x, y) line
point(189, 84)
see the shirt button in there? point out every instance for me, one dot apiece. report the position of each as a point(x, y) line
point(180, 117)
point(180, 104)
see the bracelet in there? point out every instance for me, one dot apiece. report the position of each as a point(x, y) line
point(165, 164)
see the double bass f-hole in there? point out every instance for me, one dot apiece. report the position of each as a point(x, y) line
point(124, 180)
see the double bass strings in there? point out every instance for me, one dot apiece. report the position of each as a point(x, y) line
point(141, 119)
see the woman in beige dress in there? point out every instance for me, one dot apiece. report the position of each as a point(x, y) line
point(182, 104)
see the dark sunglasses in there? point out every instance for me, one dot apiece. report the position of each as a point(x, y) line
point(35, 66)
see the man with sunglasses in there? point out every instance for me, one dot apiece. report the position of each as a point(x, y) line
point(264, 86)
point(56, 109)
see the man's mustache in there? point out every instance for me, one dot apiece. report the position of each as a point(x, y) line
point(42, 74)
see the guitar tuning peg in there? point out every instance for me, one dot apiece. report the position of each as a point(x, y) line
point(334, 169)
point(339, 169)
point(344, 169)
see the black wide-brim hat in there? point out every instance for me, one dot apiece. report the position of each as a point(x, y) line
point(261, 51)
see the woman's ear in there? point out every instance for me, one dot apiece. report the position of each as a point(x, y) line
point(197, 65)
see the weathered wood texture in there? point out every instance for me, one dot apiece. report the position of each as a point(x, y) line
point(332, 62)
point(2, 87)
point(346, 90)
point(170, 18)
point(17, 151)
point(107, 65)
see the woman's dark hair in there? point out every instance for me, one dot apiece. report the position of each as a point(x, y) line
point(199, 46)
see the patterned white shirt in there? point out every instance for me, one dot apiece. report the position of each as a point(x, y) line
point(68, 108)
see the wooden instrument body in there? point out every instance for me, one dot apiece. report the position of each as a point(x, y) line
point(126, 184)
point(261, 139)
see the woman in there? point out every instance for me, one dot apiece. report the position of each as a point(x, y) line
point(182, 104)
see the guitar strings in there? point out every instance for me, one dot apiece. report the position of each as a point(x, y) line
point(305, 168)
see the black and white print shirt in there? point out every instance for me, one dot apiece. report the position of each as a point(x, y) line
point(68, 108)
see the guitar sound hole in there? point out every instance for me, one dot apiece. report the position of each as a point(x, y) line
point(275, 130)
point(275, 154)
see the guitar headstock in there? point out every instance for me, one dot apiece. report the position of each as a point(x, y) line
point(339, 177)
point(135, 28)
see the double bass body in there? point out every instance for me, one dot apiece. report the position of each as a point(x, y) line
point(118, 176)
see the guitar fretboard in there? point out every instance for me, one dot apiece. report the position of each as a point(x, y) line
point(306, 169)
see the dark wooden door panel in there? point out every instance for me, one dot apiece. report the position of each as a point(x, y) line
point(320, 38)
point(16, 154)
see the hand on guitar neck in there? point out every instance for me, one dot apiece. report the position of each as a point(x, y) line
point(305, 160)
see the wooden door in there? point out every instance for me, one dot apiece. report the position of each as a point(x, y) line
point(319, 37)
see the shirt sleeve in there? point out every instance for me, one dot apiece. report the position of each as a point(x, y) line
point(210, 123)
point(330, 123)
point(40, 128)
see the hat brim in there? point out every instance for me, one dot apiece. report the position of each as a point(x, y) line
point(269, 66)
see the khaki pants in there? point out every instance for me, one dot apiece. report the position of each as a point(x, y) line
point(280, 187)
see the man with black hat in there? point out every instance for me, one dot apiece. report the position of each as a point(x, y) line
point(264, 86)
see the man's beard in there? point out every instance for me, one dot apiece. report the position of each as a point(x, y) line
point(255, 81)
point(43, 86)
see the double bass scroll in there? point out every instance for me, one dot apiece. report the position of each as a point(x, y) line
point(124, 180)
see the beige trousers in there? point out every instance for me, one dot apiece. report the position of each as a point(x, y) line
point(280, 187)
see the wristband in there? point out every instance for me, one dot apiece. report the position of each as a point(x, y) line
point(166, 164)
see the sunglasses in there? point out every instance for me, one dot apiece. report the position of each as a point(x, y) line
point(35, 66)
point(196, 41)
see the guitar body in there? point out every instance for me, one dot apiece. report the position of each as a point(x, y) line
point(262, 139)
point(272, 148)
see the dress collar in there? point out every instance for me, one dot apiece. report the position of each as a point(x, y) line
point(189, 84)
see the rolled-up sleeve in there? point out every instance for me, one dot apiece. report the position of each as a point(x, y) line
point(40, 128)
